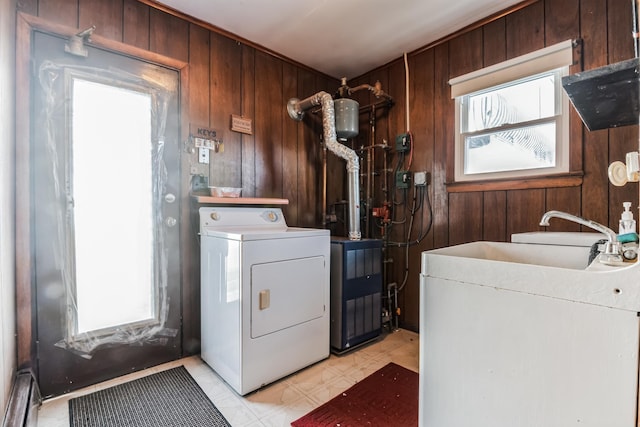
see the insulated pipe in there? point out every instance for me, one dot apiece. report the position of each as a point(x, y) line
point(296, 109)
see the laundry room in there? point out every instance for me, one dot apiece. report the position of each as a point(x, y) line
point(294, 197)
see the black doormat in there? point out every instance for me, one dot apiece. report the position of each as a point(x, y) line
point(165, 399)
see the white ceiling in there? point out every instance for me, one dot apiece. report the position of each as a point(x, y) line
point(342, 38)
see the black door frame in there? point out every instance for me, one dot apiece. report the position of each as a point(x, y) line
point(26, 25)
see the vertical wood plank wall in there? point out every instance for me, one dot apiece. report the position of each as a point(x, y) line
point(458, 217)
point(282, 158)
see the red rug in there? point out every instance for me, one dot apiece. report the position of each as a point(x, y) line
point(388, 397)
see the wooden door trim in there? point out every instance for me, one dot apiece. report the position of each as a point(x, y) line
point(25, 284)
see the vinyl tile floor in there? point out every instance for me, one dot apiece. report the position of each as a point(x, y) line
point(277, 404)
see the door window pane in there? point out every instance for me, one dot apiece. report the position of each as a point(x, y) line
point(113, 205)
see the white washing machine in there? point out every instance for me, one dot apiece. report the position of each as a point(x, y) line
point(265, 295)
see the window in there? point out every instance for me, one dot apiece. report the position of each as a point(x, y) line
point(114, 280)
point(512, 118)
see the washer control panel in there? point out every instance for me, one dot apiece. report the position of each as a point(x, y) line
point(224, 216)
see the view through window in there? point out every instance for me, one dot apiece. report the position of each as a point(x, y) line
point(113, 210)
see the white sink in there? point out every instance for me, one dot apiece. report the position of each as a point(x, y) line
point(526, 331)
point(548, 270)
point(574, 257)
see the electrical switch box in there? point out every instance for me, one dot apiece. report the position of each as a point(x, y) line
point(420, 179)
point(403, 179)
point(403, 142)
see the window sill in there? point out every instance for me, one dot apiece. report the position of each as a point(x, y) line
point(570, 179)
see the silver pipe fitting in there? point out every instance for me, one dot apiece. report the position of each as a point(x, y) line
point(296, 109)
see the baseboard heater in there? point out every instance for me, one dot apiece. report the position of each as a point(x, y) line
point(22, 410)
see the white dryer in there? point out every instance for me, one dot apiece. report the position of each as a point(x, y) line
point(265, 295)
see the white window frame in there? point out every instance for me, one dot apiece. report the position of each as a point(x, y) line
point(556, 57)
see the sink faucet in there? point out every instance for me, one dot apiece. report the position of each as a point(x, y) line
point(612, 249)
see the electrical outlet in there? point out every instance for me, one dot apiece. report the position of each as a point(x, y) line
point(203, 155)
point(199, 182)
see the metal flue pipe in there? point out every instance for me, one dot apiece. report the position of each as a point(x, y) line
point(296, 109)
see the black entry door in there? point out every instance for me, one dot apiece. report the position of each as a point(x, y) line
point(105, 162)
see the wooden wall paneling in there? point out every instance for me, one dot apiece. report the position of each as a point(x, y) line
point(443, 138)
point(464, 211)
point(336, 167)
point(619, 30)
point(595, 186)
point(623, 139)
point(494, 207)
point(494, 216)
point(290, 189)
point(494, 42)
point(396, 124)
point(400, 216)
point(561, 20)
point(396, 118)
point(525, 30)
point(377, 129)
point(168, 35)
point(199, 76)
point(363, 139)
point(269, 110)
point(136, 24)
point(198, 108)
point(524, 210)
point(248, 110)
point(381, 134)
point(593, 19)
point(562, 23)
point(465, 53)
point(576, 133)
point(566, 199)
point(225, 99)
point(422, 108)
point(29, 6)
point(309, 158)
point(64, 12)
point(105, 15)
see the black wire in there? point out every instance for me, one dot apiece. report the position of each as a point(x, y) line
point(424, 232)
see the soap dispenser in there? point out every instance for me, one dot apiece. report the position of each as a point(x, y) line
point(627, 223)
point(627, 234)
